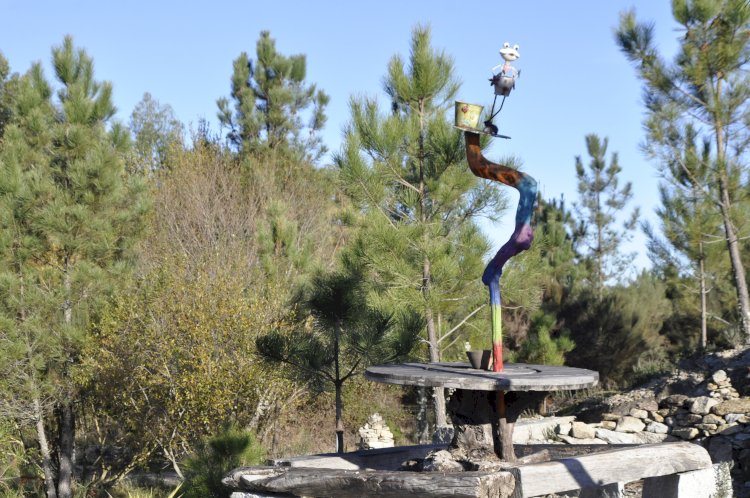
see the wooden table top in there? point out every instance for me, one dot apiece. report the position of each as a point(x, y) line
point(514, 377)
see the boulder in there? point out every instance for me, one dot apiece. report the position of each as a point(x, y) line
point(686, 433)
point(608, 424)
point(580, 430)
point(702, 405)
point(613, 437)
point(656, 416)
point(650, 405)
point(657, 428)
point(713, 419)
point(740, 405)
point(638, 413)
point(630, 424)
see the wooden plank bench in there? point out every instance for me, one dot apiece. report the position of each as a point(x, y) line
point(669, 470)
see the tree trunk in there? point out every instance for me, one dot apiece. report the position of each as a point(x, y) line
point(704, 311)
point(338, 384)
point(730, 230)
point(67, 438)
point(738, 269)
point(49, 478)
point(438, 392)
point(339, 420)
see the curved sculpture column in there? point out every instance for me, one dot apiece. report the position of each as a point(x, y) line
point(519, 241)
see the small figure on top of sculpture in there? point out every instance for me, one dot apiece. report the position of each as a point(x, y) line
point(505, 80)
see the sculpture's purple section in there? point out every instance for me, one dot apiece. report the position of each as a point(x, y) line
point(523, 234)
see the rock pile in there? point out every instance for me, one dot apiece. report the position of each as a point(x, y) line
point(720, 387)
point(713, 415)
point(375, 434)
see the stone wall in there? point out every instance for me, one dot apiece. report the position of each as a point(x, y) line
point(714, 415)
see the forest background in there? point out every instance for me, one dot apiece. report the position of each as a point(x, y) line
point(180, 293)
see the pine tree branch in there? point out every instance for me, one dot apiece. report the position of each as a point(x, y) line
point(460, 324)
point(351, 370)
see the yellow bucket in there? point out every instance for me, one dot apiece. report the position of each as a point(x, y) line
point(467, 115)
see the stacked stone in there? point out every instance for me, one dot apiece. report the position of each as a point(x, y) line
point(721, 412)
point(639, 425)
point(375, 434)
point(720, 387)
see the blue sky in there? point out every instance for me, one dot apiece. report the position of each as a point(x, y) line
point(574, 80)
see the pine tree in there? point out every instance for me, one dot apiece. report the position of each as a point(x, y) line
point(557, 250)
point(406, 175)
point(269, 100)
point(601, 199)
point(706, 86)
point(688, 222)
point(7, 84)
point(341, 339)
point(69, 220)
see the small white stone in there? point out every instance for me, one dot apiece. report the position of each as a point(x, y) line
point(608, 424)
point(736, 417)
point(702, 405)
point(581, 430)
point(638, 413)
point(719, 376)
point(657, 428)
point(630, 424)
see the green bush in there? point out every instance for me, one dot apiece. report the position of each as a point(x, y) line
point(541, 347)
point(231, 448)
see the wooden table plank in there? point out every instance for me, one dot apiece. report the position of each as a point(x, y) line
point(621, 465)
point(514, 377)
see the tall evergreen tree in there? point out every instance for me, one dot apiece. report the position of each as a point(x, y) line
point(406, 174)
point(707, 85)
point(601, 199)
point(7, 82)
point(69, 217)
point(689, 224)
point(269, 100)
point(557, 249)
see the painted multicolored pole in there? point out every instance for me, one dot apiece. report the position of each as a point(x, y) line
point(519, 241)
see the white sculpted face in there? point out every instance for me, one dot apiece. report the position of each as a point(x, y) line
point(509, 53)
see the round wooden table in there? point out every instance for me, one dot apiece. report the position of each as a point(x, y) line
point(485, 406)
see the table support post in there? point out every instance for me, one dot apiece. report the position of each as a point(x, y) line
point(483, 422)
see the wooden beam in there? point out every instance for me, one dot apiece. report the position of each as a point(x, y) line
point(600, 469)
point(388, 484)
point(376, 459)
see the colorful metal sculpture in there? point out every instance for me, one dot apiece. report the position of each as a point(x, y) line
point(523, 234)
point(519, 241)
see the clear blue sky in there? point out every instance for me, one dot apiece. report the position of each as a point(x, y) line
point(574, 80)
